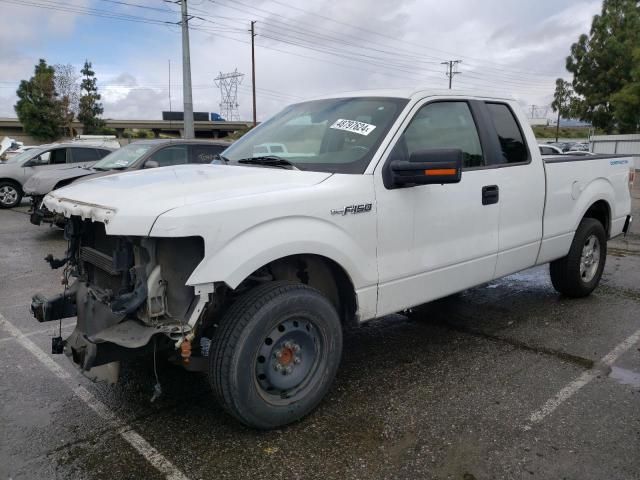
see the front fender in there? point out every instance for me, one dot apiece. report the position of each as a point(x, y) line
point(270, 240)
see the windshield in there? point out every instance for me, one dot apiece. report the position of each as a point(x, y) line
point(338, 135)
point(123, 157)
point(26, 155)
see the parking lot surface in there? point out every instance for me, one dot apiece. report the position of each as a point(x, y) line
point(507, 380)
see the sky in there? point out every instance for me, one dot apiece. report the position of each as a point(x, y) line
point(303, 49)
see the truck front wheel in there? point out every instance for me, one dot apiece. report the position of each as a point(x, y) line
point(275, 354)
point(578, 274)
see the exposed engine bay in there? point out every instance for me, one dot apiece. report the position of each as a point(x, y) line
point(124, 291)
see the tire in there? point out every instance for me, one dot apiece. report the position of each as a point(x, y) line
point(275, 354)
point(10, 194)
point(576, 275)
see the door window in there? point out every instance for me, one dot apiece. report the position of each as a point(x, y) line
point(442, 125)
point(42, 159)
point(58, 156)
point(83, 155)
point(176, 155)
point(205, 153)
point(514, 149)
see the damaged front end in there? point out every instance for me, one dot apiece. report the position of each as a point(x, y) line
point(125, 291)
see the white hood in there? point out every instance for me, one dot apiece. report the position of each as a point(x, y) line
point(129, 203)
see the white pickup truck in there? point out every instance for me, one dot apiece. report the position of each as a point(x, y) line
point(379, 201)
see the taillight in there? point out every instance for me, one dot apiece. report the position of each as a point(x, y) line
point(632, 177)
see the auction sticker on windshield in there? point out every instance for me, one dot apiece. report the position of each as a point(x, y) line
point(353, 126)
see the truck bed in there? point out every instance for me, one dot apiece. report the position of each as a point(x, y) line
point(573, 183)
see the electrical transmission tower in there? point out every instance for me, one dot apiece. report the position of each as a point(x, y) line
point(228, 83)
point(452, 69)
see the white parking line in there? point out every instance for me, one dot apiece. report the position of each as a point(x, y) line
point(133, 438)
point(51, 330)
point(568, 391)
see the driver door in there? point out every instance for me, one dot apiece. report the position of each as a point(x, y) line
point(49, 160)
point(434, 240)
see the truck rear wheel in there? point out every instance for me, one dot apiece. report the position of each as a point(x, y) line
point(275, 354)
point(579, 273)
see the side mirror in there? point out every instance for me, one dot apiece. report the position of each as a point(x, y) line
point(151, 164)
point(426, 167)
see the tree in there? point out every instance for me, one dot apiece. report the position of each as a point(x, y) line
point(68, 90)
point(626, 102)
point(602, 64)
point(38, 108)
point(90, 107)
point(563, 102)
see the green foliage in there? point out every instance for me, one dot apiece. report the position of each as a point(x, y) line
point(238, 133)
point(142, 133)
point(603, 63)
point(90, 107)
point(626, 102)
point(563, 99)
point(38, 108)
point(541, 131)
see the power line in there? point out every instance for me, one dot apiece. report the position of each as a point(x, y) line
point(411, 59)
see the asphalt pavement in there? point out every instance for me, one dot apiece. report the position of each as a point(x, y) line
point(505, 381)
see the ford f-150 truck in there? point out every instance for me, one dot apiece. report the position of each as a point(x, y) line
point(379, 201)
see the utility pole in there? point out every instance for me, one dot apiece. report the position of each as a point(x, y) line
point(253, 70)
point(533, 111)
point(169, 84)
point(170, 109)
point(451, 64)
point(186, 74)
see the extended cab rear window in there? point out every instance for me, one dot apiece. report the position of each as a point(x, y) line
point(514, 148)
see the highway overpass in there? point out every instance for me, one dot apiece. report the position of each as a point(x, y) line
point(11, 127)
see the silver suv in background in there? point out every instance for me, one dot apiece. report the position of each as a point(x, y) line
point(19, 169)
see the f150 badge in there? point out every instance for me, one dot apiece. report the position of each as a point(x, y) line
point(362, 208)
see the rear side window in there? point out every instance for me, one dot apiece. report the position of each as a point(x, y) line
point(58, 156)
point(514, 149)
point(205, 153)
point(83, 155)
point(442, 125)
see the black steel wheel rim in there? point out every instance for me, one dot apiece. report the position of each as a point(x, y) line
point(288, 358)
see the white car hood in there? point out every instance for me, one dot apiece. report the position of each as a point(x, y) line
point(129, 203)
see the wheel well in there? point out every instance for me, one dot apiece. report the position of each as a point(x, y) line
point(600, 211)
point(318, 272)
point(12, 181)
point(63, 183)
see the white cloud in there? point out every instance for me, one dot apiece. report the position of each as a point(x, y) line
point(505, 45)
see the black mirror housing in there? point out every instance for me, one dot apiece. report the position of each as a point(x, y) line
point(427, 167)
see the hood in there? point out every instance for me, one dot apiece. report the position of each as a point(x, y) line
point(43, 182)
point(129, 203)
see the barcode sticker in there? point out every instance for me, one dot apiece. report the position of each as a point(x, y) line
point(353, 126)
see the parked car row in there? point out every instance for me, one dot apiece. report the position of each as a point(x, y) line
point(135, 156)
point(15, 172)
point(564, 148)
point(40, 170)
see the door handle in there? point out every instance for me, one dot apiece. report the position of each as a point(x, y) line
point(490, 194)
